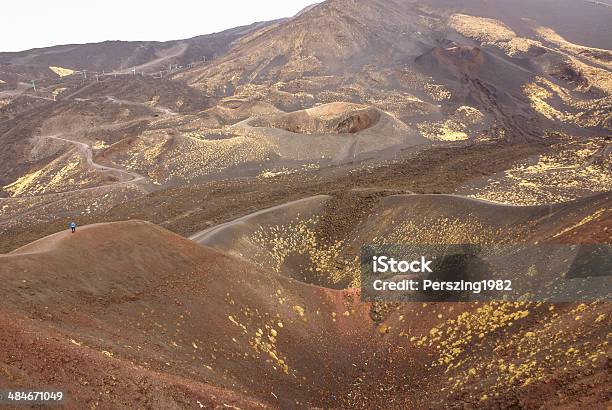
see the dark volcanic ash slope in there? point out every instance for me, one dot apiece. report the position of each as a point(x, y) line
point(436, 70)
point(424, 60)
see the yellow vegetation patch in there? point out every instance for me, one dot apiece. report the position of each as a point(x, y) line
point(191, 155)
point(68, 172)
point(298, 237)
point(61, 71)
point(492, 32)
point(99, 144)
point(265, 341)
point(455, 128)
point(481, 28)
point(563, 176)
point(299, 310)
point(594, 216)
point(23, 184)
point(529, 356)
point(437, 92)
point(448, 130)
point(58, 91)
point(581, 112)
point(595, 55)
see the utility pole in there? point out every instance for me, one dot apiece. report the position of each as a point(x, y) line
point(85, 74)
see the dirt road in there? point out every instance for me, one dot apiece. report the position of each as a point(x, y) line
point(202, 236)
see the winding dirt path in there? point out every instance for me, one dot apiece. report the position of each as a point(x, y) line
point(87, 151)
point(162, 56)
point(128, 177)
point(202, 236)
point(162, 110)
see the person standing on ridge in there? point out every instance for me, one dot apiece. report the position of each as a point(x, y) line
point(73, 227)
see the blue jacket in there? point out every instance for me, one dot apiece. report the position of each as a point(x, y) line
point(72, 225)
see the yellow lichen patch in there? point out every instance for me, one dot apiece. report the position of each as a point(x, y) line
point(481, 28)
point(595, 55)
point(298, 237)
point(564, 175)
point(61, 71)
point(567, 108)
point(58, 91)
point(492, 32)
point(299, 310)
point(265, 341)
point(454, 128)
point(520, 354)
point(65, 173)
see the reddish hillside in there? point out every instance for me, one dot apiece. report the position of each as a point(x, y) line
point(127, 314)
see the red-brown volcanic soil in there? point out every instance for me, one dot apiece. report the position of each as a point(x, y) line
point(129, 315)
point(296, 142)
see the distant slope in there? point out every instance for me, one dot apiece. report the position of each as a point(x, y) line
point(123, 55)
point(580, 21)
point(525, 71)
point(344, 35)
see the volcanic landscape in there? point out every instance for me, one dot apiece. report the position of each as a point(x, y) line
point(223, 187)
